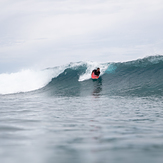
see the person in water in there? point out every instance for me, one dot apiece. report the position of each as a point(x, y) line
point(96, 72)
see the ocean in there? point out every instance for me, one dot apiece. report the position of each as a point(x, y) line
point(61, 115)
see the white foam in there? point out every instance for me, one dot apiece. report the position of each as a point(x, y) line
point(27, 80)
point(91, 66)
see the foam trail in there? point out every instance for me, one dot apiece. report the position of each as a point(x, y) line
point(91, 66)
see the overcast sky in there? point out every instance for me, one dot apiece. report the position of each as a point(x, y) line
point(48, 33)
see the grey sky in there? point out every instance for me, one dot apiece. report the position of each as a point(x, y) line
point(47, 33)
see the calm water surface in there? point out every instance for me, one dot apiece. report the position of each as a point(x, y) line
point(38, 128)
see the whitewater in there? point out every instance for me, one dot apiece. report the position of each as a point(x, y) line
point(59, 114)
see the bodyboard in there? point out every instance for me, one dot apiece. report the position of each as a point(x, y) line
point(93, 76)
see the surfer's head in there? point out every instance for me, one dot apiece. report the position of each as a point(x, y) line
point(98, 69)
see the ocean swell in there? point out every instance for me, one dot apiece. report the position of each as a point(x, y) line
point(141, 77)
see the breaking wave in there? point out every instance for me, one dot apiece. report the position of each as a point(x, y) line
point(139, 77)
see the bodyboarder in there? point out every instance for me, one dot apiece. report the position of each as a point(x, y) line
point(95, 73)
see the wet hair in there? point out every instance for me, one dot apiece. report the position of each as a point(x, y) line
point(98, 68)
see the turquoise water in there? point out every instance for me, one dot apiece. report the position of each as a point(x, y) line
point(73, 119)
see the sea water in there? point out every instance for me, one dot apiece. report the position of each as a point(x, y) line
point(73, 119)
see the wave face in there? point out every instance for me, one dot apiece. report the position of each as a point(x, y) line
point(141, 77)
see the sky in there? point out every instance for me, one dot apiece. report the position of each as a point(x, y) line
point(49, 33)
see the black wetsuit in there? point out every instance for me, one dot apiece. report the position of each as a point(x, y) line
point(96, 73)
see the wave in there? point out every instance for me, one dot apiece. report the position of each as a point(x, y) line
point(30, 80)
point(142, 77)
